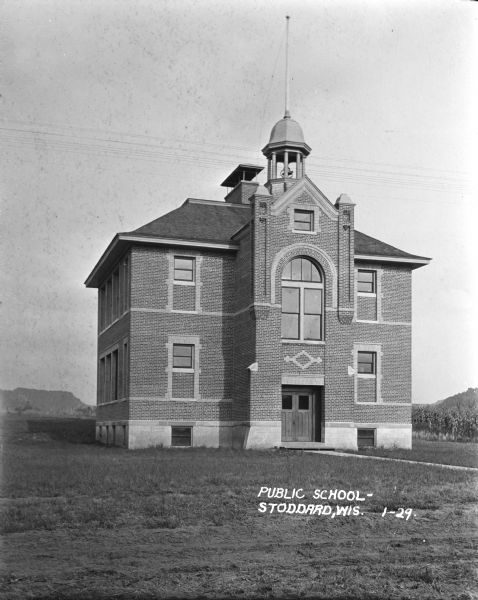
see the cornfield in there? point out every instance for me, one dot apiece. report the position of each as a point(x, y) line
point(445, 423)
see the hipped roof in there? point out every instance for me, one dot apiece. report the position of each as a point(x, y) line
point(207, 222)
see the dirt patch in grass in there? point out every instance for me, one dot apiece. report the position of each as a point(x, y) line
point(261, 558)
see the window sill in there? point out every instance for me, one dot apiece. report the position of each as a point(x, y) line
point(366, 376)
point(113, 322)
point(181, 399)
point(366, 321)
point(179, 282)
point(111, 402)
point(182, 370)
point(306, 232)
point(309, 342)
point(373, 403)
point(367, 294)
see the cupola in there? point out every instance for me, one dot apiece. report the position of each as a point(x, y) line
point(286, 150)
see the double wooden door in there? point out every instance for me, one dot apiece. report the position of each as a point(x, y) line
point(299, 406)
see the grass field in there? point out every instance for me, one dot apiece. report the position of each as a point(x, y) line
point(464, 454)
point(84, 521)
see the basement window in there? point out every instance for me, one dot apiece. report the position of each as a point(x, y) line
point(181, 436)
point(366, 438)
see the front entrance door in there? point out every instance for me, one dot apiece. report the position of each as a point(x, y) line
point(299, 407)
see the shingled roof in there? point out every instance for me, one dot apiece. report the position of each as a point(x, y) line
point(199, 222)
point(211, 221)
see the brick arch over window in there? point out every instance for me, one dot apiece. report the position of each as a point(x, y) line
point(321, 258)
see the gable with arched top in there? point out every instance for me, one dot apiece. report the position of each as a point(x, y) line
point(321, 258)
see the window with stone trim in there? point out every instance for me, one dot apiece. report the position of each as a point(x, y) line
point(302, 301)
point(183, 378)
point(113, 298)
point(366, 363)
point(368, 373)
point(113, 369)
point(125, 369)
point(184, 269)
point(108, 375)
point(183, 356)
point(303, 220)
point(366, 281)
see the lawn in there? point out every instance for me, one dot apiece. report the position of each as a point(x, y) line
point(84, 521)
point(464, 454)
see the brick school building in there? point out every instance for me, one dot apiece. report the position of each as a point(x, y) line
point(266, 320)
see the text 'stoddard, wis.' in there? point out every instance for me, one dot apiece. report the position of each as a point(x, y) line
point(294, 501)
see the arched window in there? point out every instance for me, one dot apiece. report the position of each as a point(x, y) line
point(302, 300)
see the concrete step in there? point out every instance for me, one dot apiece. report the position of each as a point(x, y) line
point(305, 446)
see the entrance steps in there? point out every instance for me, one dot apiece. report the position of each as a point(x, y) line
point(305, 446)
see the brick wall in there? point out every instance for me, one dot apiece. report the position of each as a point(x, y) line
point(367, 308)
point(184, 297)
point(367, 389)
point(396, 348)
point(154, 320)
point(397, 294)
point(183, 385)
point(149, 273)
point(237, 298)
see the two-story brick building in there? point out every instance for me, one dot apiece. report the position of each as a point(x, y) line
point(265, 320)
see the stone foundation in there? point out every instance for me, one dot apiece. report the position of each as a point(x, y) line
point(254, 435)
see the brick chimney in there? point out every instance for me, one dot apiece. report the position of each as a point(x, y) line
point(240, 180)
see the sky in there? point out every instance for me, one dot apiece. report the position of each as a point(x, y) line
point(114, 112)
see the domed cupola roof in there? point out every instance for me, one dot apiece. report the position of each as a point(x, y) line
point(286, 135)
point(286, 130)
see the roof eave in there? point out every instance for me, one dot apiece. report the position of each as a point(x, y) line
point(306, 149)
point(237, 235)
point(124, 240)
point(91, 279)
point(415, 262)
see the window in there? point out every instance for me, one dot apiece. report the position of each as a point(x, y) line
point(102, 307)
point(183, 356)
point(183, 269)
point(304, 220)
point(301, 269)
point(181, 436)
point(101, 380)
point(125, 286)
point(366, 282)
point(114, 295)
point(286, 402)
point(125, 371)
point(303, 402)
point(291, 313)
point(366, 363)
point(366, 438)
point(108, 377)
point(114, 375)
point(302, 299)
point(109, 302)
